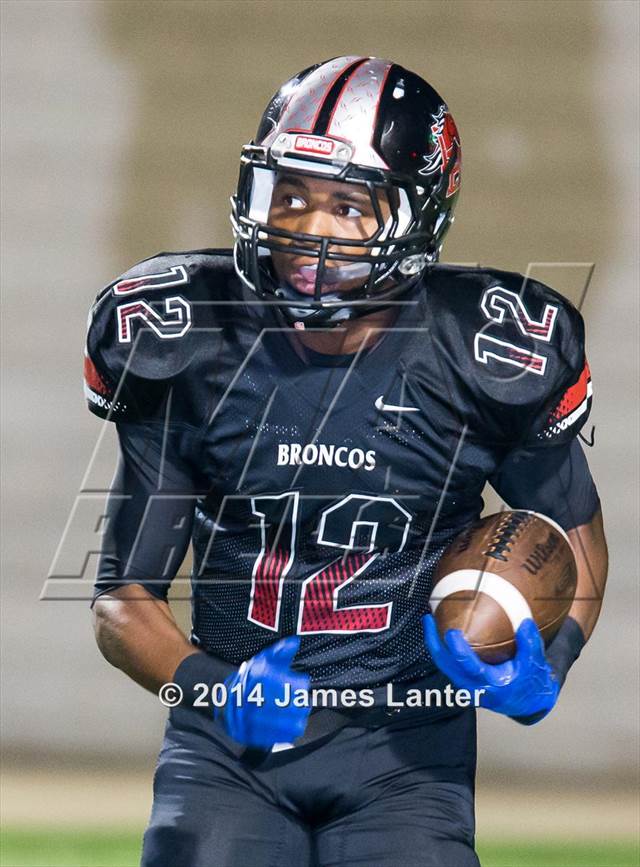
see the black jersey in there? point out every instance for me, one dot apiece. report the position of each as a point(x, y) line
point(322, 489)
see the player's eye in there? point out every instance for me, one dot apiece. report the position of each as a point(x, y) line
point(349, 211)
point(293, 202)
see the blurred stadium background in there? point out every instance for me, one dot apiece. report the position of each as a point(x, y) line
point(122, 123)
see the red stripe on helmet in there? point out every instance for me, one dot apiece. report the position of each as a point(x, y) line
point(301, 113)
point(357, 103)
point(339, 96)
point(330, 96)
point(380, 92)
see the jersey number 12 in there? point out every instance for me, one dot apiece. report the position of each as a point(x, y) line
point(362, 527)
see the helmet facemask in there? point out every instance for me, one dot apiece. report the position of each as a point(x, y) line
point(342, 276)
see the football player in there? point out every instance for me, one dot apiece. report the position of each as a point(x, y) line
point(317, 413)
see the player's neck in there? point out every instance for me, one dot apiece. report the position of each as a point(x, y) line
point(347, 339)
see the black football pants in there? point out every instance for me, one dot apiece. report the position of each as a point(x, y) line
point(396, 796)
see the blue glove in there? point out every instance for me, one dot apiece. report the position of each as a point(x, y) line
point(260, 722)
point(523, 687)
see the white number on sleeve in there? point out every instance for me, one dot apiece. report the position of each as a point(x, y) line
point(497, 303)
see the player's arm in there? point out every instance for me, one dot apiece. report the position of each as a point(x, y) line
point(149, 521)
point(148, 529)
point(543, 469)
point(137, 633)
point(130, 371)
point(590, 548)
point(557, 483)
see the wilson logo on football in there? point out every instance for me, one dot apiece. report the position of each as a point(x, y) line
point(314, 145)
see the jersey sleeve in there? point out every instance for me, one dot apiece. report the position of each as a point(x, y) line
point(139, 339)
point(555, 481)
point(517, 349)
point(149, 510)
point(561, 417)
point(549, 399)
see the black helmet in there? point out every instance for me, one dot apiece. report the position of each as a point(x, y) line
point(359, 120)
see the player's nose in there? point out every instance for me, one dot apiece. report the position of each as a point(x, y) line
point(316, 221)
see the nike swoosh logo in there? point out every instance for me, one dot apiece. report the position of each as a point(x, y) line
point(389, 407)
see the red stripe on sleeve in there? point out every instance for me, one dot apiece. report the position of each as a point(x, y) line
point(93, 378)
point(573, 396)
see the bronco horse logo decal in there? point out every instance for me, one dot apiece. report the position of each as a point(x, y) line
point(447, 147)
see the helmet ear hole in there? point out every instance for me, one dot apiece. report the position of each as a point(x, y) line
point(413, 264)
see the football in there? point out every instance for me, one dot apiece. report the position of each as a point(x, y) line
point(499, 571)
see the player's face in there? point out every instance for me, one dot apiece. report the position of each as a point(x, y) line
point(319, 206)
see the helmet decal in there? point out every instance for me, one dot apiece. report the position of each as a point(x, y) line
point(444, 134)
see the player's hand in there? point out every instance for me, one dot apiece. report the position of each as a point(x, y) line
point(261, 722)
point(524, 687)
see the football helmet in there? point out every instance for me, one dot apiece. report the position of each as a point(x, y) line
point(358, 121)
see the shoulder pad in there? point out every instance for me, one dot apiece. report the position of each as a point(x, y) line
point(520, 346)
point(141, 331)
